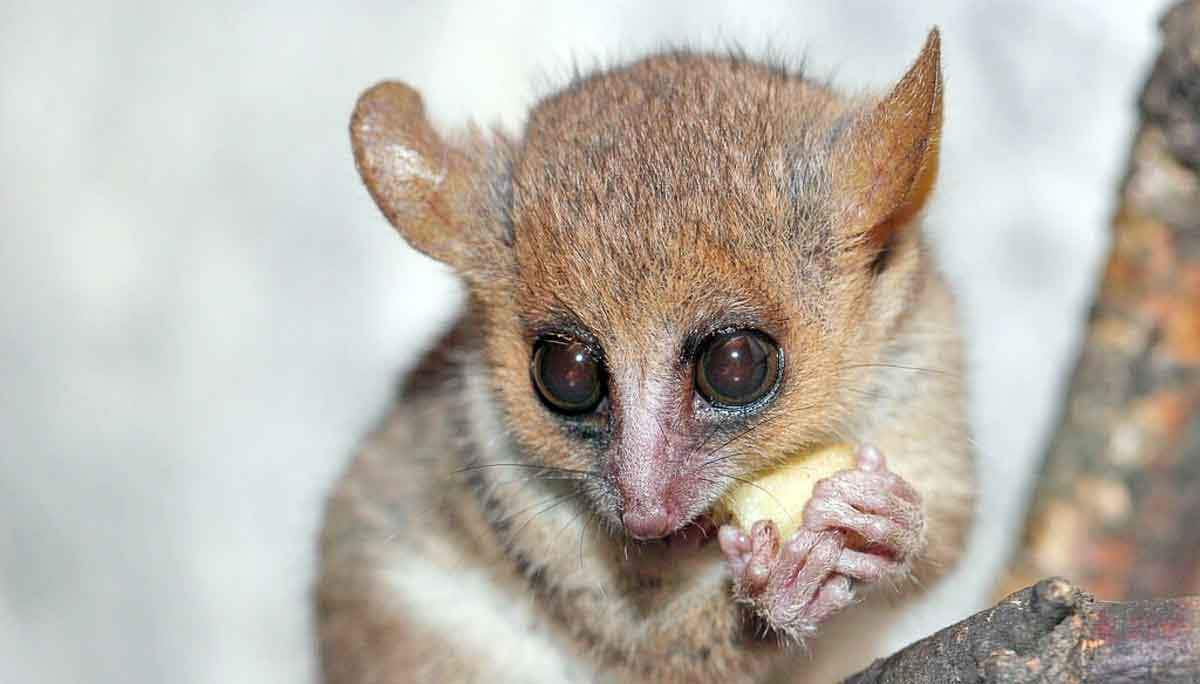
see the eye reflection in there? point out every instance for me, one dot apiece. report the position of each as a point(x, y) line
point(567, 377)
point(737, 368)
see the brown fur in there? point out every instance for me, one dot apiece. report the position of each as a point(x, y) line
point(643, 207)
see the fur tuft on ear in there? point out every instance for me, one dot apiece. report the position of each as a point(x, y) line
point(414, 177)
point(886, 163)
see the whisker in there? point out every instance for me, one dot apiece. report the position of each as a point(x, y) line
point(741, 435)
point(873, 395)
point(554, 537)
point(492, 484)
point(704, 442)
point(663, 434)
point(558, 501)
point(509, 518)
point(898, 366)
point(490, 487)
point(703, 532)
point(582, 532)
point(758, 487)
point(882, 395)
point(529, 466)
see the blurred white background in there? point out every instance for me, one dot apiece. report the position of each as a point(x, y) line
point(202, 311)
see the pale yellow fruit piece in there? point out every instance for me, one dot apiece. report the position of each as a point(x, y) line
point(779, 494)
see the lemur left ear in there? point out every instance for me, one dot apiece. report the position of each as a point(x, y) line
point(886, 163)
point(417, 179)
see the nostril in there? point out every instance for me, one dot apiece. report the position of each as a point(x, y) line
point(649, 522)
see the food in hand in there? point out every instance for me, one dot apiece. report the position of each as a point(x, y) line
point(779, 494)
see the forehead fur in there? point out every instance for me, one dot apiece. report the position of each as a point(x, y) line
point(672, 177)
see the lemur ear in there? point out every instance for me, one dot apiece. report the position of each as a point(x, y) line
point(887, 161)
point(415, 178)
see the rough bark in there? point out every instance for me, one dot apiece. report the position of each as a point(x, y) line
point(1117, 507)
point(1053, 632)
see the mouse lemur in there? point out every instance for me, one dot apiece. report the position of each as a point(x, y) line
point(682, 270)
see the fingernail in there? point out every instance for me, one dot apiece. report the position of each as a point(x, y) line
point(871, 458)
point(731, 536)
point(758, 572)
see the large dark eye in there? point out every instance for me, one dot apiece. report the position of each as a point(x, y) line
point(737, 368)
point(567, 376)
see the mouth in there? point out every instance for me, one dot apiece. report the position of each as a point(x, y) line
point(694, 534)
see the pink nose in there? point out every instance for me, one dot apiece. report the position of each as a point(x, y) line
point(648, 522)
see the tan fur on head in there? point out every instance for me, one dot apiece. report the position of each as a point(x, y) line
point(588, 157)
point(884, 163)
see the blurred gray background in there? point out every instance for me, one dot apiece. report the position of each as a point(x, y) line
point(202, 310)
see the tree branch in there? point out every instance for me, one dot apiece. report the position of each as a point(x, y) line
point(1053, 632)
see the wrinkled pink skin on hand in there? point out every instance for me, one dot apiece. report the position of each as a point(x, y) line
point(861, 526)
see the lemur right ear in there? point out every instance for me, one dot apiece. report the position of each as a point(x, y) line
point(887, 161)
point(416, 179)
